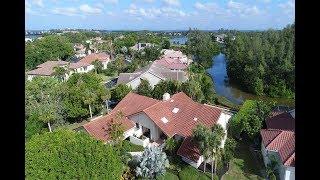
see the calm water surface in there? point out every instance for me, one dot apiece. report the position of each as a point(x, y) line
point(222, 87)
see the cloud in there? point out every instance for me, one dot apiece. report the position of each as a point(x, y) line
point(38, 3)
point(85, 8)
point(68, 11)
point(110, 13)
point(133, 10)
point(172, 2)
point(111, 1)
point(243, 9)
point(288, 7)
point(206, 6)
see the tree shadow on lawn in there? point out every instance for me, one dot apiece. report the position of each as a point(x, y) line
point(245, 160)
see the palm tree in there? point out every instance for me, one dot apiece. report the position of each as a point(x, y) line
point(60, 72)
point(97, 65)
point(215, 138)
point(200, 135)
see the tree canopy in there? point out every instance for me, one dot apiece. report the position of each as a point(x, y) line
point(81, 91)
point(144, 88)
point(52, 47)
point(250, 117)
point(119, 92)
point(201, 46)
point(65, 154)
point(263, 63)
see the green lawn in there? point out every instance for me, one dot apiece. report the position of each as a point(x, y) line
point(131, 147)
point(243, 166)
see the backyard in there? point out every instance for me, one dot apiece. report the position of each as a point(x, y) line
point(244, 165)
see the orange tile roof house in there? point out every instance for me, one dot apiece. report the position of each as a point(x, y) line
point(278, 140)
point(104, 58)
point(158, 120)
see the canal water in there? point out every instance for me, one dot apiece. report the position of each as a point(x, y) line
point(230, 91)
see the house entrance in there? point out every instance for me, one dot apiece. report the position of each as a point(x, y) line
point(146, 132)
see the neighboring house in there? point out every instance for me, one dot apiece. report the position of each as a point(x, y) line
point(80, 67)
point(278, 140)
point(80, 50)
point(46, 69)
point(141, 46)
point(28, 40)
point(150, 122)
point(172, 64)
point(220, 38)
point(104, 58)
point(175, 55)
point(153, 73)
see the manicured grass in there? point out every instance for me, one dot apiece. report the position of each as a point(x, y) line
point(190, 172)
point(243, 166)
point(169, 175)
point(130, 147)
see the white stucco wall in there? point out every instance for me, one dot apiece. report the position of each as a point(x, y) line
point(140, 142)
point(153, 80)
point(192, 163)
point(223, 121)
point(285, 172)
point(145, 121)
point(104, 64)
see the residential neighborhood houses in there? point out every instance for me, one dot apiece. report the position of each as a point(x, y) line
point(174, 116)
point(171, 66)
point(130, 116)
point(84, 65)
point(278, 142)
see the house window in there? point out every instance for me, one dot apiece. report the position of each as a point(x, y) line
point(137, 125)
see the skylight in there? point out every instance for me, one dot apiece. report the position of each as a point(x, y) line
point(175, 110)
point(195, 119)
point(164, 119)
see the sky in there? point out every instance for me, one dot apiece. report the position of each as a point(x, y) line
point(159, 14)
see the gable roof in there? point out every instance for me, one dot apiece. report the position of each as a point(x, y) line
point(183, 121)
point(171, 63)
point(162, 73)
point(95, 56)
point(189, 149)
point(47, 68)
point(128, 106)
point(280, 120)
point(282, 142)
point(78, 65)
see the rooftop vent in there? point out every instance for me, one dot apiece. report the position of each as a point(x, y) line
point(175, 110)
point(171, 100)
point(166, 96)
point(164, 120)
point(195, 119)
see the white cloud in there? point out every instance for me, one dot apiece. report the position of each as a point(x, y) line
point(133, 10)
point(68, 11)
point(38, 3)
point(206, 6)
point(111, 1)
point(243, 9)
point(288, 7)
point(85, 8)
point(172, 2)
point(110, 13)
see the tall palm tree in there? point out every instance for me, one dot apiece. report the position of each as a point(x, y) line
point(60, 72)
point(216, 137)
point(200, 134)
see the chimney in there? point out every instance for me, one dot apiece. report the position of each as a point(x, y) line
point(166, 96)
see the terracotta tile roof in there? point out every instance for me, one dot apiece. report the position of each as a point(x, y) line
point(94, 56)
point(99, 128)
point(183, 121)
point(132, 103)
point(171, 63)
point(78, 65)
point(47, 68)
point(189, 149)
point(291, 160)
point(280, 141)
point(281, 120)
point(181, 112)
